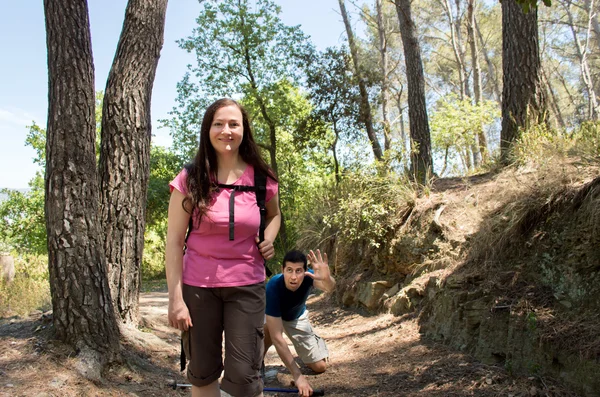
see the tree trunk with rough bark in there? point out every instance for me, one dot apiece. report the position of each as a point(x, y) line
point(83, 313)
point(523, 96)
point(421, 160)
point(125, 150)
point(365, 106)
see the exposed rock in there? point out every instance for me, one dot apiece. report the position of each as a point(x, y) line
point(370, 293)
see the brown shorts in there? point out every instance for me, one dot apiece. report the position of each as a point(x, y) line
point(239, 312)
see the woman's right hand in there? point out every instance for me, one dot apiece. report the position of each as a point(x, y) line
point(179, 315)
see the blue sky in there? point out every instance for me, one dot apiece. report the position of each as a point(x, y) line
point(23, 70)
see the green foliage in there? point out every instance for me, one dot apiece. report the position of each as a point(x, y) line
point(531, 5)
point(539, 145)
point(241, 51)
point(587, 140)
point(455, 123)
point(368, 208)
point(164, 166)
point(22, 219)
point(36, 138)
point(361, 211)
point(302, 143)
point(29, 290)
point(153, 262)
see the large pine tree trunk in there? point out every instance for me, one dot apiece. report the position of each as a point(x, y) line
point(83, 314)
point(365, 105)
point(421, 161)
point(125, 149)
point(523, 96)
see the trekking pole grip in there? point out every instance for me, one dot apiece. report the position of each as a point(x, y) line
point(318, 392)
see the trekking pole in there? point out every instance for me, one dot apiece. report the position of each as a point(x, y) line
point(318, 392)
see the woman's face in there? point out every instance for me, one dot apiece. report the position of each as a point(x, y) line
point(227, 130)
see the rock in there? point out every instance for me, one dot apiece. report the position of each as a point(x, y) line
point(390, 292)
point(7, 267)
point(369, 294)
point(348, 298)
point(400, 304)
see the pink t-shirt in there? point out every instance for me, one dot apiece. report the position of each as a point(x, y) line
point(211, 259)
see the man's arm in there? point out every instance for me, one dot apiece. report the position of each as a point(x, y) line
point(275, 326)
point(322, 276)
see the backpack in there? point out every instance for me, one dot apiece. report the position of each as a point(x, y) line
point(260, 189)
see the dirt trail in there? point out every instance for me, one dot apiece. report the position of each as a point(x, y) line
point(371, 355)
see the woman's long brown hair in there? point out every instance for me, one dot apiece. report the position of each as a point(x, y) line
point(202, 172)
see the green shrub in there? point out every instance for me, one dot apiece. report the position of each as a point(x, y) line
point(153, 262)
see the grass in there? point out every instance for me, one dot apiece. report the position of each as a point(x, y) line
point(29, 291)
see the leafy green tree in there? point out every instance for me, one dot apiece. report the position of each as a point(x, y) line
point(335, 98)
point(242, 50)
point(22, 222)
point(164, 166)
point(454, 125)
point(304, 162)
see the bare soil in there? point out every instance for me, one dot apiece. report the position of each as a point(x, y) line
point(371, 355)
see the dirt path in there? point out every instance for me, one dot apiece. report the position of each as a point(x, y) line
point(371, 355)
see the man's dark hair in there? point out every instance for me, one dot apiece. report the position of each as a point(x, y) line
point(294, 256)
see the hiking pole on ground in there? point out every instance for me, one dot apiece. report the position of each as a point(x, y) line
point(318, 392)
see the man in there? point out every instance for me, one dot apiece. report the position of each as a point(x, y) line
point(286, 312)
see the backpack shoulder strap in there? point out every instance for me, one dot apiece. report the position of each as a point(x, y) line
point(260, 183)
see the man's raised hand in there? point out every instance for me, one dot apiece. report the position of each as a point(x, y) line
point(319, 265)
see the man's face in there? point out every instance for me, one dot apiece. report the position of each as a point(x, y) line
point(293, 274)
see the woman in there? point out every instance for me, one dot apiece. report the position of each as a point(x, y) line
point(218, 283)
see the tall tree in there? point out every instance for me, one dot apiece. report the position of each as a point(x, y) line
point(476, 72)
point(421, 161)
point(334, 96)
point(491, 68)
point(523, 95)
point(242, 49)
point(365, 105)
point(125, 149)
point(582, 53)
point(383, 33)
point(83, 313)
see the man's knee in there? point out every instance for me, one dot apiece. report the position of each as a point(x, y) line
point(318, 367)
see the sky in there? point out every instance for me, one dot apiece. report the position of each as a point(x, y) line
point(23, 69)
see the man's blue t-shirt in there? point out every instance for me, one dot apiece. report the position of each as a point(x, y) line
point(281, 302)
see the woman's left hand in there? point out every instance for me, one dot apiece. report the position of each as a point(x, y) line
point(266, 248)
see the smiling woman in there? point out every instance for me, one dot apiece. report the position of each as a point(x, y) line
point(227, 132)
point(216, 277)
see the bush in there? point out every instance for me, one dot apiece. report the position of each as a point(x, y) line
point(358, 217)
point(587, 140)
point(153, 262)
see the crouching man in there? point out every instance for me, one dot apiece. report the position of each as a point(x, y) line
point(286, 312)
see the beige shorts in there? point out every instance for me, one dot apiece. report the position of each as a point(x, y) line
point(310, 347)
